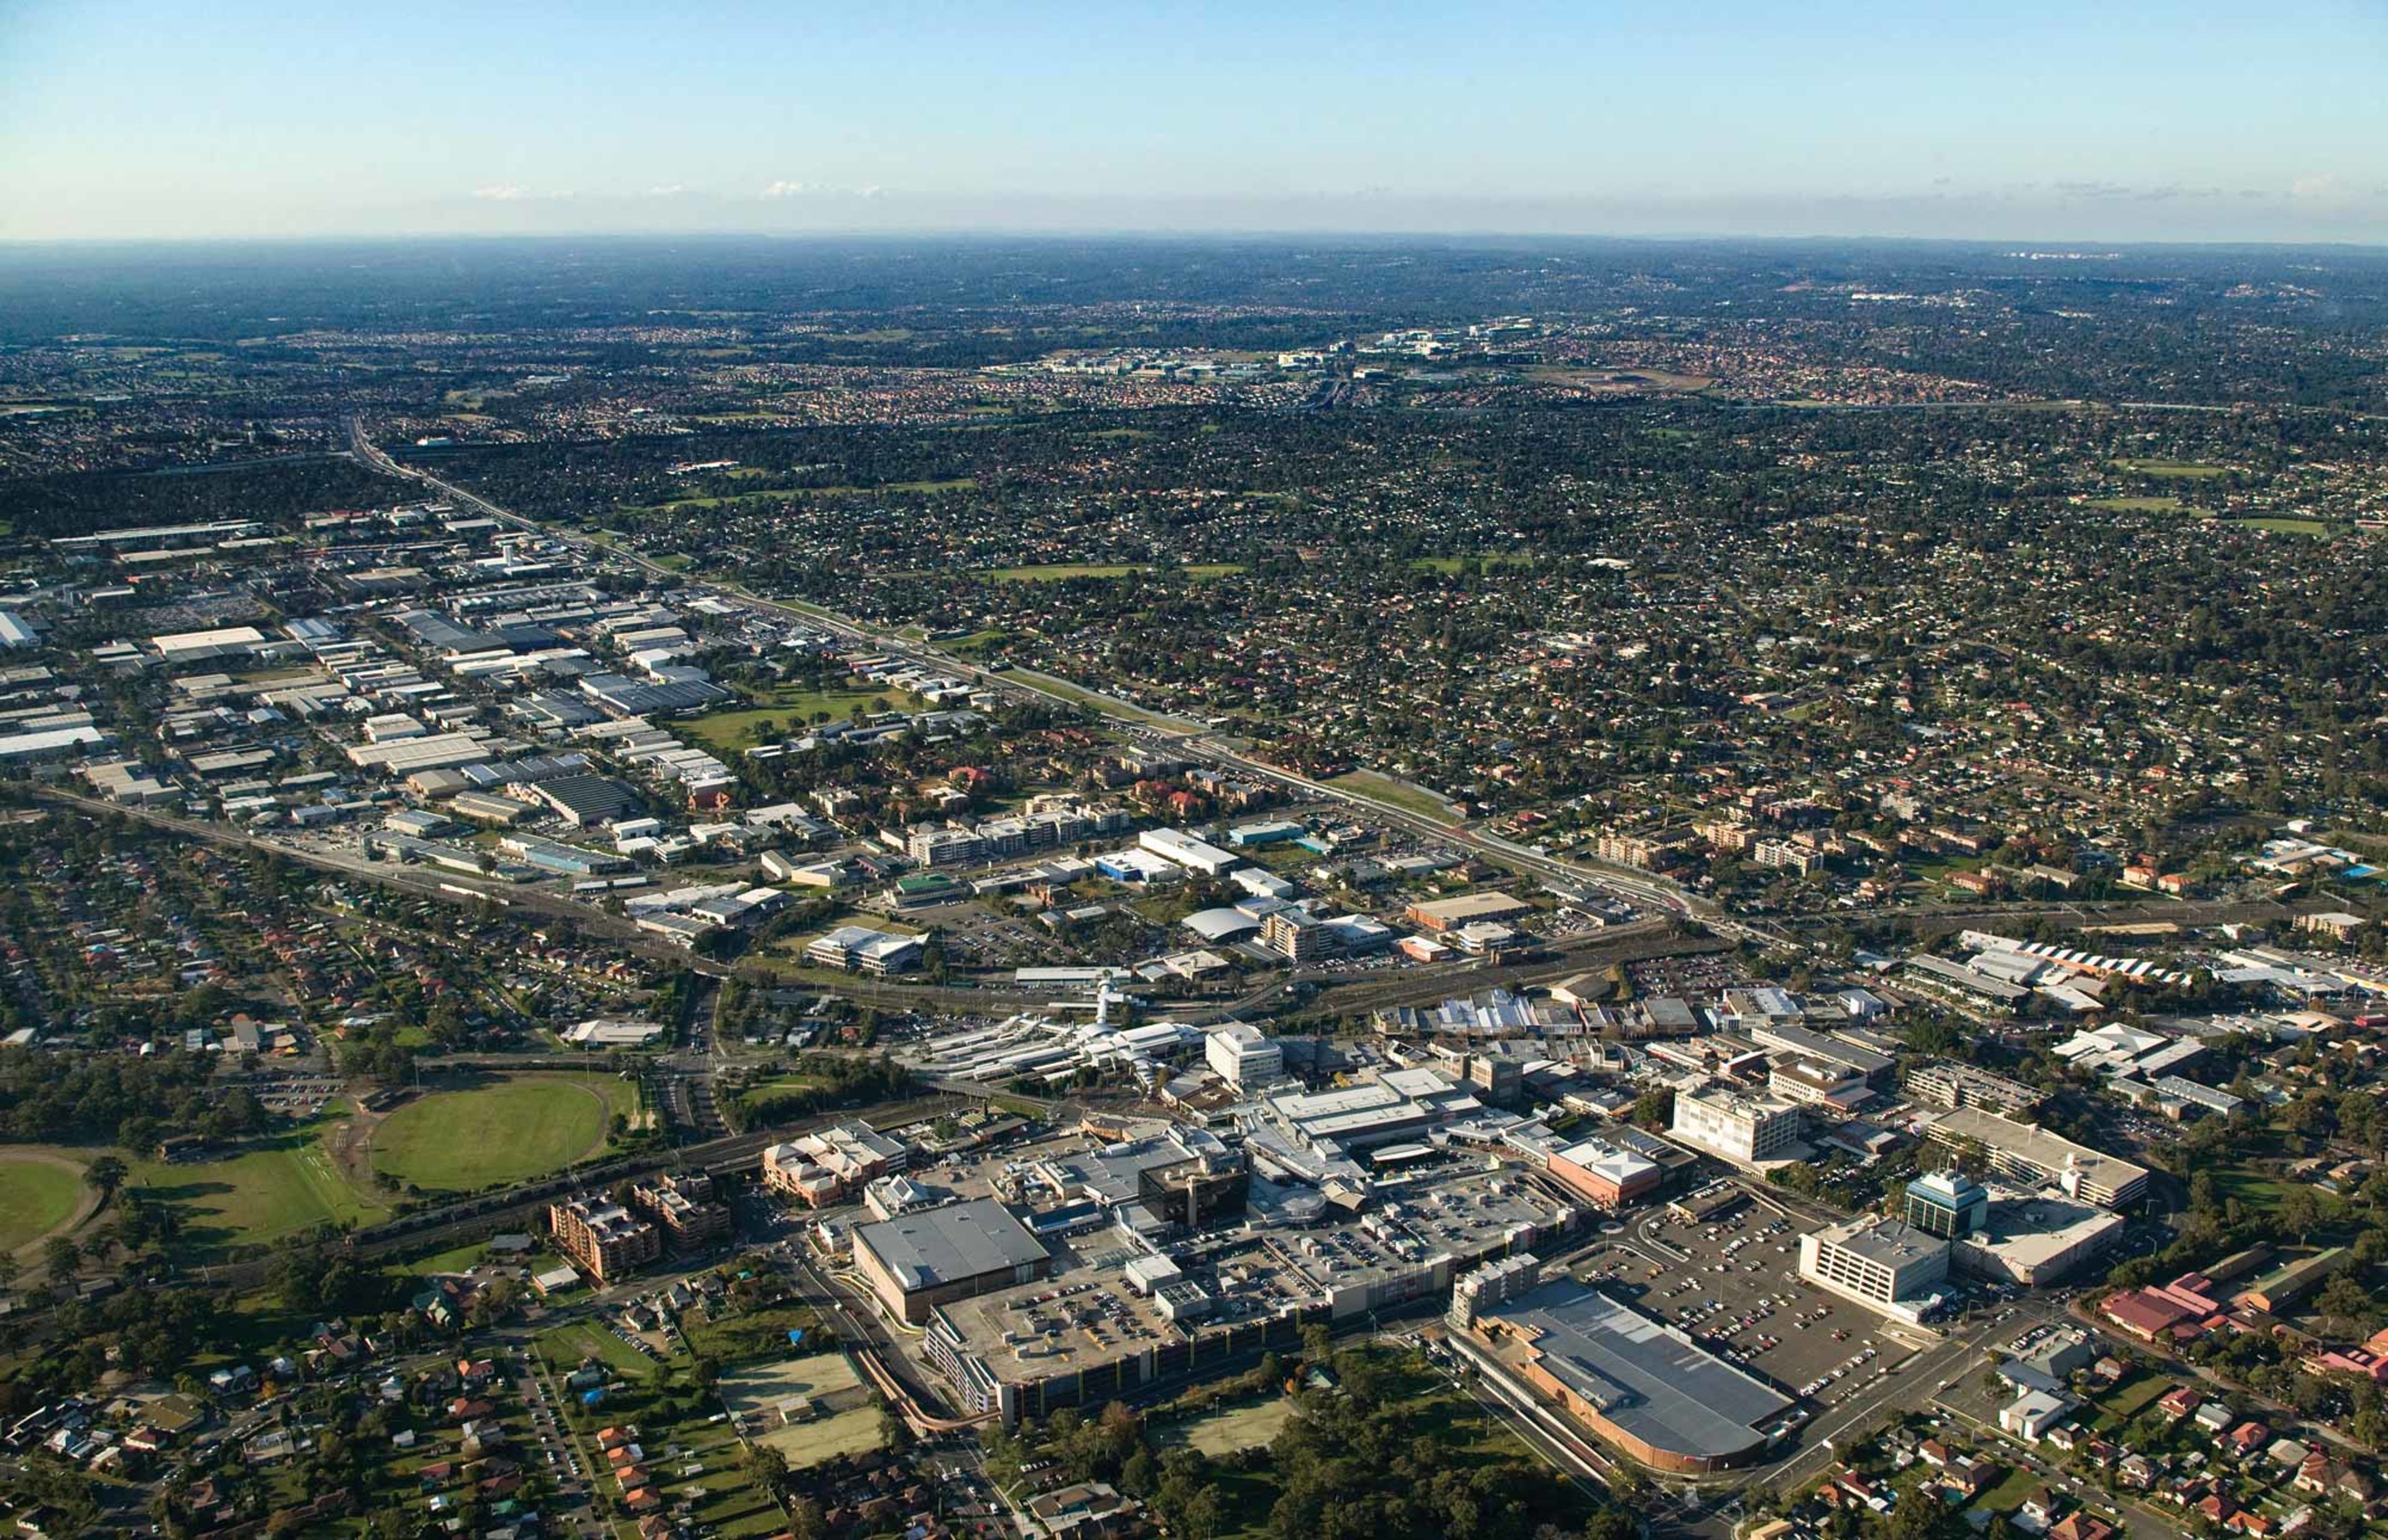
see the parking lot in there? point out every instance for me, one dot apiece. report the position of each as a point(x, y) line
point(1733, 1285)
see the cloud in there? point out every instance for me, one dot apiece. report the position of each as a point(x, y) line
point(507, 192)
point(787, 190)
point(2320, 184)
point(671, 190)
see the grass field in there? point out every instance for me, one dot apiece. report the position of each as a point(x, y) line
point(760, 1334)
point(2252, 1188)
point(1465, 1435)
point(268, 1189)
point(567, 1347)
point(1060, 571)
point(2172, 470)
point(1046, 684)
point(2135, 1395)
point(2009, 1494)
point(511, 1131)
point(1233, 1428)
point(976, 642)
point(791, 711)
point(2138, 505)
point(1384, 788)
point(2284, 527)
point(464, 1258)
point(38, 1193)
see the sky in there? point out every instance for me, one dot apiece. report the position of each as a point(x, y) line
point(2102, 120)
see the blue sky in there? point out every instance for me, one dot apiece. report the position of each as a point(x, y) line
point(2113, 120)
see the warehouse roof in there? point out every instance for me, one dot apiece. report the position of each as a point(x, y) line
point(1645, 1377)
point(949, 1244)
point(1222, 924)
point(588, 799)
point(1471, 906)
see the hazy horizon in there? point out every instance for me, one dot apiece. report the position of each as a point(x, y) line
point(2195, 123)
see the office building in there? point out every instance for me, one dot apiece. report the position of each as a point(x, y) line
point(1882, 1263)
point(1950, 1204)
point(1296, 934)
point(1200, 1191)
point(1176, 845)
point(832, 1164)
point(1605, 1172)
point(1787, 1037)
point(1743, 1129)
point(2036, 1158)
point(1243, 1056)
point(1803, 1081)
point(859, 949)
point(1451, 913)
point(2035, 1238)
point(1947, 1083)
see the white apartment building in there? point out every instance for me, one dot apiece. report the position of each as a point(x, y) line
point(1243, 1056)
point(1743, 1129)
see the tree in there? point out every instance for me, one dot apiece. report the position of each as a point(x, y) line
point(59, 1255)
point(2345, 1300)
point(769, 1465)
point(104, 1175)
point(1203, 1515)
point(2300, 1213)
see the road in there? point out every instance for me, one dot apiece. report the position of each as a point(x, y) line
point(1641, 889)
point(1646, 892)
point(432, 1228)
point(444, 886)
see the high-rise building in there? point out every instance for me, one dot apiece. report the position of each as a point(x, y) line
point(1296, 934)
point(1950, 1204)
point(686, 1207)
point(602, 1237)
point(1243, 1056)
